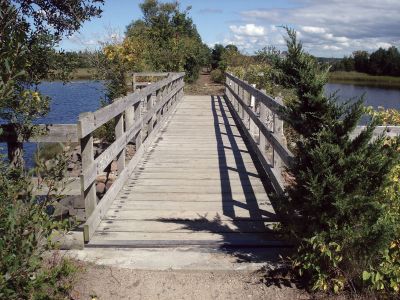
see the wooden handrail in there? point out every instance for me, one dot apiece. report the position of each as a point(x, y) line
point(138, 117)
point(252, 108)
point(52, 133)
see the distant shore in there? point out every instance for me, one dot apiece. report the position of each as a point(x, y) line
point(357, 78)
point(83, 74)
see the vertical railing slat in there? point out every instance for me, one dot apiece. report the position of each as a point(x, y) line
point(119, 131)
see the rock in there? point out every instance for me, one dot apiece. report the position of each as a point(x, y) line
point(69, 201)
point(130, 151)
point(102, 178)
point(76, 172)
point(60, 211)
point(71, 166)
point(108, 185)
point(67, 241)
point(72, 203)
point(79, 202)
point(75, 157)
point(112, 177)
point(100, 188)
point(114, 166)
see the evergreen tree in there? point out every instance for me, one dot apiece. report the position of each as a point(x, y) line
point(337, 179)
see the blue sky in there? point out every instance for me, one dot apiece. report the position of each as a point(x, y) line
point(328, 28)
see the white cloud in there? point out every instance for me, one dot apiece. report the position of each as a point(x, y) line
point(335, 27)
point(313, 29)
point(248, 30)
point(251, 37)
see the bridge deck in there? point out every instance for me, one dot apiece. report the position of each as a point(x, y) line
point(197, 185)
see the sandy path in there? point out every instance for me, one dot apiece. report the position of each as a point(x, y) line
point(105, 282)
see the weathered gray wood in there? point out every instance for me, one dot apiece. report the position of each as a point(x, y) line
point(119, 145)
point(160, 226)
point(70, 186)
point(88, 193)
point(283, 152)
point(194, 171)
point(192, 243)
point(270, 102)
point(52, 133)
point(92, 121)
point(273, 174)
point(150, 74)
point(263, 116)
point(95, 218)
point(119, 132)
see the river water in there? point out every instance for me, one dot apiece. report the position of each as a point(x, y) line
point(71, 99)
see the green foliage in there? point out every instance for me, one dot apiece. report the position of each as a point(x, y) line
point(25, 228)
point(337, 212)
point(169, 38)
point(217, 76)
point(381, 62)
point(29, 31)
point(228, 56)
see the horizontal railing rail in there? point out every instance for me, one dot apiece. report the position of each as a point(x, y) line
point(140, 83)
point(259, 116)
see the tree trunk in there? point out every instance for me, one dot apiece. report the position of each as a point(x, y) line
point(15, 149)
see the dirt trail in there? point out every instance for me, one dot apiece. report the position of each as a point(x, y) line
point(104, 282)
point(204, 86)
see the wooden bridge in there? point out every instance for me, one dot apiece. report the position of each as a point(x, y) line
point(202, 173)
point(195, 179)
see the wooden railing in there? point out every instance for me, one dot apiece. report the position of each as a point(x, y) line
point(138, 117)
point(259, 116)
point(139, 84)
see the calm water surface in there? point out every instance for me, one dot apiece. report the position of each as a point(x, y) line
point(67, 102)
point(374, 96)
point(71, 99)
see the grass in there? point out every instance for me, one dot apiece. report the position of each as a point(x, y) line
point(364, 79)
point(83, 74)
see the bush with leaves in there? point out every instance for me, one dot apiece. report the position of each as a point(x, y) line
point(26, 227)
point(337, 213)
point(217, 76)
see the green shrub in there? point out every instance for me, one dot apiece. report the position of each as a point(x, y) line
point(343, 224)
point(25, 230)
point(47, 151)
point(217, 76)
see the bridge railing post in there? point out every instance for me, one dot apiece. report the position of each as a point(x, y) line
point(252, 125)
point(138, 114)
point(119, 131)
point(150, 105)
point(88, 191)
point(262, 139)
point(278, 131)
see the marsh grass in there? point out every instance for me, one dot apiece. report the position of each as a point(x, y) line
point(358, 78)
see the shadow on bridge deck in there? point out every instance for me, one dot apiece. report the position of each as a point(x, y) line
point(199, 187)
point(260, 222)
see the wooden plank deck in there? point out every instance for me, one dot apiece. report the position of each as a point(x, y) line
point(197, 185)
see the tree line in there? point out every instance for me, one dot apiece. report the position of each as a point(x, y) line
point(380, 62)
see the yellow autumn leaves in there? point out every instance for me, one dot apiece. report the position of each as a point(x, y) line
point(128, 52)
point(385, 116)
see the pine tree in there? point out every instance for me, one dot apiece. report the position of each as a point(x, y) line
point(337, 179)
